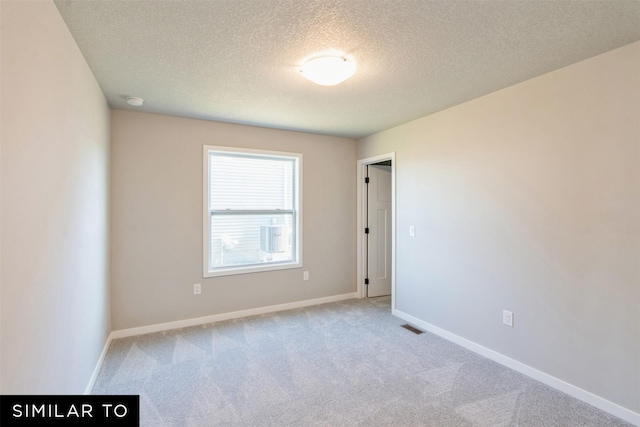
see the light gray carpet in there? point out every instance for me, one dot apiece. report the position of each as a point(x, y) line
point(341, 364)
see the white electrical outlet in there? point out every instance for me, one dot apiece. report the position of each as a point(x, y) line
point(197, 290)
point(305, 275)
point(412, 231)
point(507, 317)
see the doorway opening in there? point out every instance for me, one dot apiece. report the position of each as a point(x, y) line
point(376, 227)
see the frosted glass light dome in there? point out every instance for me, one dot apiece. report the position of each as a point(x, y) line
point(328, 70)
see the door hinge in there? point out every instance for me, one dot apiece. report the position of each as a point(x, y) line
point(366, 180)
point(366, 281)
point(366, 230)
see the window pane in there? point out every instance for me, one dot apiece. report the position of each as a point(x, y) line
point(238, 240)
point(250, 182)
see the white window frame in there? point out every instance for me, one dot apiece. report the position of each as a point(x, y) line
point(208, 270)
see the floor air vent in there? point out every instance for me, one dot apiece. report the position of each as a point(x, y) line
point(412, 329)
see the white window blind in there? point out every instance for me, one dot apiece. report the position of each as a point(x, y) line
point(252, 211)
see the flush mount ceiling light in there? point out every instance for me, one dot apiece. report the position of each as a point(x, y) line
point(136, 102)
point(328, 70)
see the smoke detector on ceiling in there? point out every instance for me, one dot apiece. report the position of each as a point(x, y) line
point(136, 102)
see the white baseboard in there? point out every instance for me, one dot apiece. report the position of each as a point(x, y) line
point(588, 397)
point(96, 370)
point(226, 316)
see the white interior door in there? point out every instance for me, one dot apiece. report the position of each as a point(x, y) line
point(379, 237)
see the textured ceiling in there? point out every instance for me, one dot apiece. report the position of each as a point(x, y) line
point(235, 60)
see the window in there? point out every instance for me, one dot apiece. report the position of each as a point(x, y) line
point(252, 217)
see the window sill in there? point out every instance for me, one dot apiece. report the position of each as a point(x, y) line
point(232, 271)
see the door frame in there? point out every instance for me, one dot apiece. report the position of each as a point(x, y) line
point(361, 220)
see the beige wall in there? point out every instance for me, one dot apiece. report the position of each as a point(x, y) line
point(157, 220)
point(54, 174)
point(528, 200)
